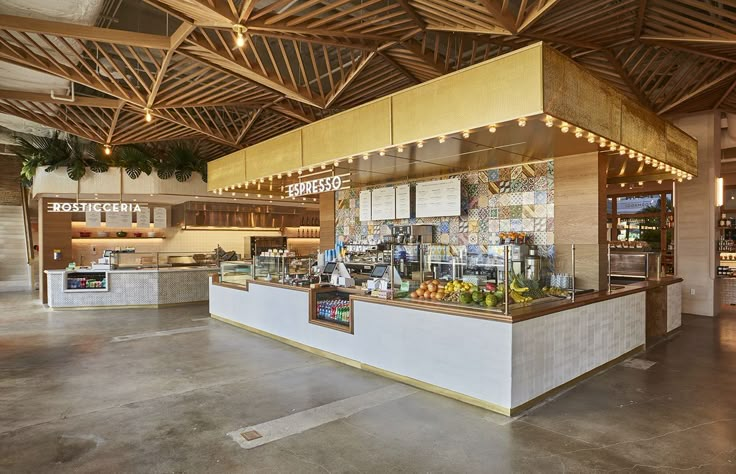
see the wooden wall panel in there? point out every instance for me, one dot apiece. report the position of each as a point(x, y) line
point(54, 232)
point(326, 221)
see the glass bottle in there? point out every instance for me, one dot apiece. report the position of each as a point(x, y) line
point(722, 222)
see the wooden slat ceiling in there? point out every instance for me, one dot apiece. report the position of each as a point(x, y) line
point(303, 60)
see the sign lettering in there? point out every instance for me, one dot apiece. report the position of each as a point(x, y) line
point(315, 186)
point(93, 207)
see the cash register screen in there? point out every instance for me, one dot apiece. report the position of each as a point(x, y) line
point(329, 268)
point(378, 271)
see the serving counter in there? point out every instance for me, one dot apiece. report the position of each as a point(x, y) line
point(148, 287)
point(505, 363)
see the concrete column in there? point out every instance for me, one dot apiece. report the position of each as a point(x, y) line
point(696, 218)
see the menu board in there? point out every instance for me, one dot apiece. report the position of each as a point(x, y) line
point(383, 204)
point(365, 206)
point(403, 202)
point(438, 198)
point(159, 217)
point(143, 218)
point(93, 219)
point(119, 220)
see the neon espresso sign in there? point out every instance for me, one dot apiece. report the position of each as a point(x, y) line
point(315, 186)
point(93, 207)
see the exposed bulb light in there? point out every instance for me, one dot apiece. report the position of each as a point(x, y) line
point(492, 129)
point(259, 195)
point(350, 160)
point(240, 185)
point(262, 180)
point(420, 144)
point(602, 142)
point(549, 122)
point(337, 163)
point(667, 167)
point(565, 127)
point(108, 150)
point(689, 177)
point(613, 147)
point(442, 139)
point(647, 160)
point(299, 172)
point(270, 178)
point(578, 132)
point(640, 183)
point(148, 116)
point(522, 122)
point(278, 176)
point(400, 148)
point(311, 168)
point(655, 163)
point(323, 166)
point(232, 194)
point(673, 171)
point(679, 180)
point(659, 181)
point(639, 157)
point(466, 134)
point(661, 166)
point(623, 185)
point(382, 153)
point(622, 151)
point(591, 138)
point(289, 174)
point(366, 156)
point(239, 38)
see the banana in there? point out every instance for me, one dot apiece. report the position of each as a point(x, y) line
point(519, 289)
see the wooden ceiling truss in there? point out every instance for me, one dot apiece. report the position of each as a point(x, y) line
point(304, 60)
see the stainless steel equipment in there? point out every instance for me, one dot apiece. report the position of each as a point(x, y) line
point(532, 265)
point(635, 264)
point(410, 234)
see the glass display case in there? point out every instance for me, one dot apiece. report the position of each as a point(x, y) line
point(236, 273)
point(85, 281)
point(331, 308)
point(282, 268)
point(153, 260)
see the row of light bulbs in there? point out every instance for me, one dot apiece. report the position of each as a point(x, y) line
point(549, 121)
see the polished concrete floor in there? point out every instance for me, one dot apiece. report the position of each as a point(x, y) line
point(159, 391)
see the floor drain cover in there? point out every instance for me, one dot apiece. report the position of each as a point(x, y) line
point(640, 364)
point(251, 435)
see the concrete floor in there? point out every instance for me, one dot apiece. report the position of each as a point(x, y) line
point(117, 391)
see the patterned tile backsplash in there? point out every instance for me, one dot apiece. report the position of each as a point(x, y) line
point(518, 198)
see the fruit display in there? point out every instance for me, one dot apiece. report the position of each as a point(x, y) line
point(555, 291)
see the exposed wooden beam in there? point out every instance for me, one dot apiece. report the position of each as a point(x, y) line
point(400, 68)
point(503, 18)
point(428, 59)
point(537, 14)
point(114, 122)
point(696, 92)
point(691, 39)
point(640, 18)
point(725, 96)
point(246, 10)
point(248, 125)
point(624, 74)
point(345, 83)
point(413, 13)
point(177, 39)
point(46, 99)
point(82, 32)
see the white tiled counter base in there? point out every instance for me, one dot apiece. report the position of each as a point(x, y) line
point(135, 288)
point(500, 364)
point(674, 306)
point(554, 349)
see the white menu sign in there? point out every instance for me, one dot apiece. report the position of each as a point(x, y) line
point(403, 202)
point(383, 204)
point(438, 198)
point(159, 217)
point(119, 220)
point(93, 219)
point(365, 206)
point(143, 218)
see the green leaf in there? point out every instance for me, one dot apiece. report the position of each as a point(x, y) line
point(183, 175)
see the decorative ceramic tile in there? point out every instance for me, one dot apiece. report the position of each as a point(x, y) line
point(504, 212)
point(494, 187)
point(483, 177)
point(504, 200)
point(550, 210)
point(540, 197)
point(473, 202)
point(527, 170)
point(473, 225)
point(527, 225)
point(528, 185)
point(493, 200)
point(483, 201)
point(527, 211)
point(493, 213)
point(517, 185)
point(483, 213)
point(515, 212)
point(504, 174)
point(454, 226)
point(472, 239)
point(504, 186)
point(550, 238)
point(540, 210)
point(493, 226)
point(527, 197)
point(550, 196)
point(445, 239)
point(540, 238)
point(540, 225)
point(550, 224)
point(454, 239)
point(540, 169)
point(463, 226)
point(540, 184)
point(483, 226)
point(493, 175)
point(353, 204)
point(504, 225)
point(516, 225)
point(473, 248)
point(516, 172)
point(444, 227)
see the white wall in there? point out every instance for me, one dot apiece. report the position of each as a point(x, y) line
point(696, 218)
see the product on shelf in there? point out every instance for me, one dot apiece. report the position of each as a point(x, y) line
point(337, 310)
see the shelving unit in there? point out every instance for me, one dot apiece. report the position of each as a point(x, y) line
point(86, 282)
point(331, 308)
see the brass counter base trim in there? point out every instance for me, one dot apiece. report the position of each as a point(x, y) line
point(132, 306)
